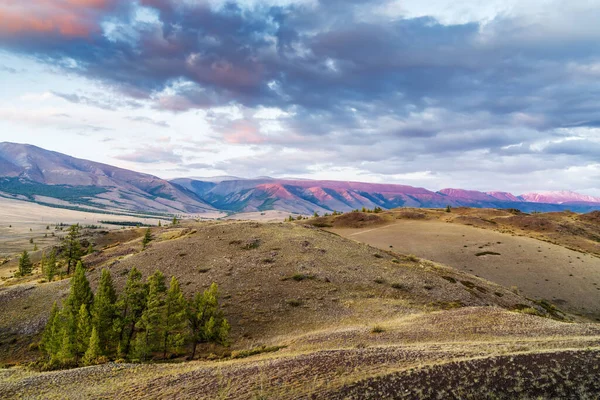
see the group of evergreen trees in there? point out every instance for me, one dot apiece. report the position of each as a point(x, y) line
point(146, 320)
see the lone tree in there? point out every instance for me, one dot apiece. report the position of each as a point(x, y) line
point(448, 209)
point(72, 247)
point(147, 238)
point(25, 264)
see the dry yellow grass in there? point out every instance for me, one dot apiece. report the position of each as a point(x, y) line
point(315, 298)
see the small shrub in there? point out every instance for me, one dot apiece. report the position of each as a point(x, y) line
point(294, 303)
point(255, 351)
point(412, 257)
point(449, 279)
point(377, 256)
point(251, 244)
point(379, 280)
point(377, 329)
point(486, 253)
point(299, 277)
point(397, 285)
point(203, 270)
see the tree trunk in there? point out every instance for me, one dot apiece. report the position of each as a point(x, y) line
point(194, 344)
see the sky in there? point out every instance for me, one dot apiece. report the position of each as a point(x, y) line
point(495, 95)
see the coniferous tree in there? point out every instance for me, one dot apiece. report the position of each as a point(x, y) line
point(84, 331)
point(104, 312)
point(207, 322)
point(51, 339)
point(151, 324)
point(130, 307)
point(49, 266)
point(67, 350)
point(93, 352)
point(25, 264)
point(147, 238)
point(176, 324)
point(80, 292)
point(72, 247)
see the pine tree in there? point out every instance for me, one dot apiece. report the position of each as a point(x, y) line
point(90, 249)
point(67, 350)
point(152, 323)
point(50, 343)
point(104, 312)
point(175, 221)
point(72, 247)
point(49, 266)
point(176, 324)
point(84, 331)
point(159, 223)
point(207, 322)
point(130, 307)
point(25, 264)
point(93, 352)
point(43, 262)
point(80, 292)
point(147, 238)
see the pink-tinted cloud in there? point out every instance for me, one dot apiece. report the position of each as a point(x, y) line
point(68, 18)
point(243, 132)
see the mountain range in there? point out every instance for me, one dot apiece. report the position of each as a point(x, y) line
point(33, 174)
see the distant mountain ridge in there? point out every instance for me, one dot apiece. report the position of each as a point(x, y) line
point(30, 173)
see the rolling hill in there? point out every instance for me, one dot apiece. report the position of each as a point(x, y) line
point(317, 316)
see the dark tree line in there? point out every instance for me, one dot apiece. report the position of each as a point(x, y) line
point(147, 320)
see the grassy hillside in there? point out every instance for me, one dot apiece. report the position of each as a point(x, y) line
point(552, 257)
point(313, 315)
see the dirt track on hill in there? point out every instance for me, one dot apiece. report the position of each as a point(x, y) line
point(541, 270)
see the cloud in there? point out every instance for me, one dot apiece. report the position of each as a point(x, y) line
point(152, 155)
point(147, 120)
point(499, 88)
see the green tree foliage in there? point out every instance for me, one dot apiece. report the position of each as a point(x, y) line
point(50, 343)
point(147, 238)
point(130, 307)
point(93, 352)
point(72, 247)
point(25, 264)
point(80, 293)
point(176, 323)
point(84, 330)
point(49, 266)
point(146, 319)
point(104, 312)
point(448, 209)
point(207, 323)
point(175, 221)
point(152, 322)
